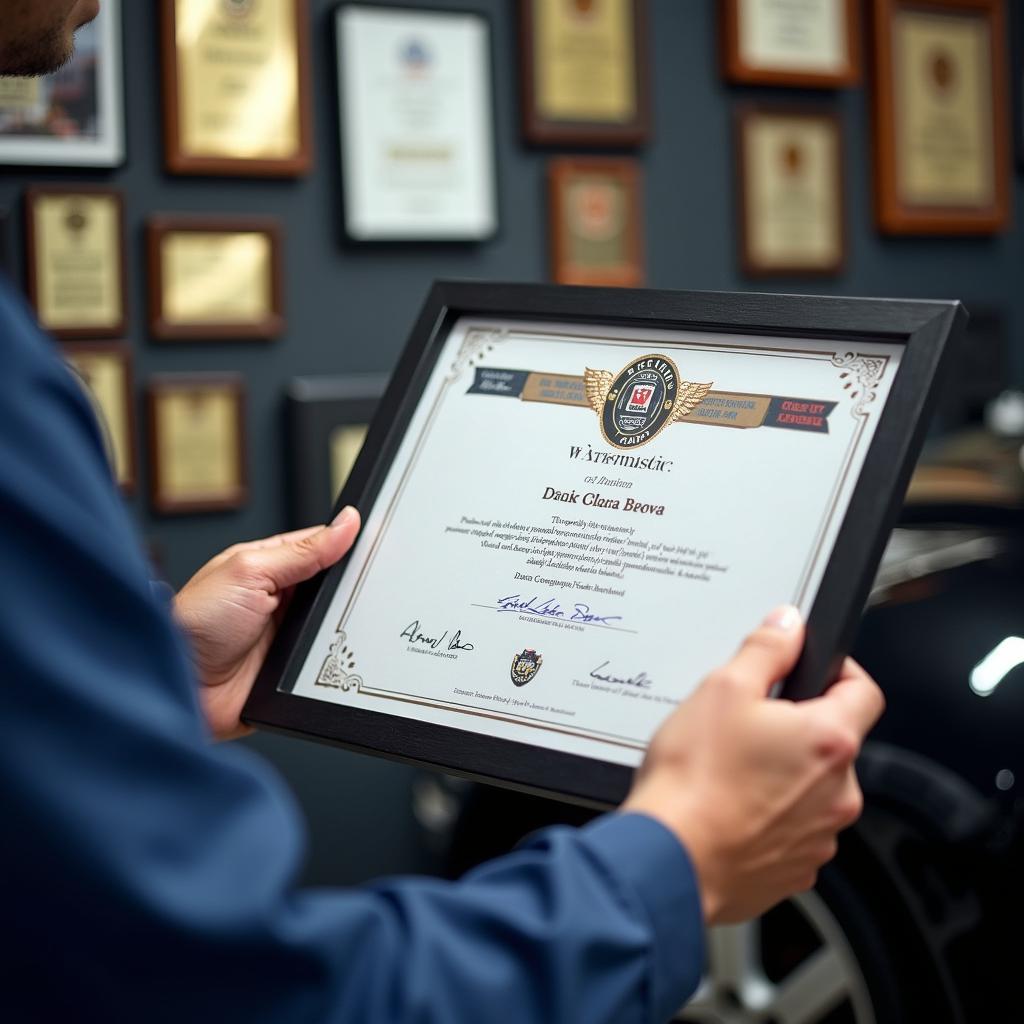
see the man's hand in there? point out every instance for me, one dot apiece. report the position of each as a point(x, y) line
point(757, 789)
point(231, 608)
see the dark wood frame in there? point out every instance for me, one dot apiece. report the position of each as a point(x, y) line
point(737, 70)
point(750, 266)
point(627, 170)
point(413, 239)
point(159, 227)
point(166, 383)
point(1017, 70)
point(37, 192)
point(542, 132)
point(314, 408)
point(923, 328)
point(180, 162)
point(118, 350)
point(895, 217)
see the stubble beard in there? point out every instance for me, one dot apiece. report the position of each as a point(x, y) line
point(37, 54)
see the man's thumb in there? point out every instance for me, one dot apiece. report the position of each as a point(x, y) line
point(299, 560)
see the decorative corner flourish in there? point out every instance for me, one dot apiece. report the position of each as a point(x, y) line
point(477, 343)
point(861, 375)
point(336, 672)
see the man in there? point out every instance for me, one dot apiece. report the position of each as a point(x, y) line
point(148, 872)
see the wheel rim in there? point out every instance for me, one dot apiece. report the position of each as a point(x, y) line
point(825, 984)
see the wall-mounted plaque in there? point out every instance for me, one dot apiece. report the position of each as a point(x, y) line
point(791, 191)
point(417, 128)
point(806, 43)
point(106, 371)
point(197, 460)
point(215, 278)
point(585, 72)
point(75, 116)
point(74, 241)
point(941, 139)
point(596, 221)
point(236, 87)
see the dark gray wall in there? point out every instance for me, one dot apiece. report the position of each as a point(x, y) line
point(349, 309)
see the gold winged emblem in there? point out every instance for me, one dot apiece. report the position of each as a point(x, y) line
point(597, 387)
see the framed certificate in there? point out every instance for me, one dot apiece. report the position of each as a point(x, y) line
point(237, 97)
point(791, 191)
point(105, 370)
point(585, 72)
point(577, 501)
point(417, 124)
point(74, 241)
point(327, 419)
point(75, 116)
point(215, 278)
point(596, 220)
point(196, 442)
point(810, 43)
point(940, 117)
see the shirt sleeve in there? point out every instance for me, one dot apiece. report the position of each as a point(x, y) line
point(150, 874)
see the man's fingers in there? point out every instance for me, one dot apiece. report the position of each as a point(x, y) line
point(769, 653)
point(855, 698)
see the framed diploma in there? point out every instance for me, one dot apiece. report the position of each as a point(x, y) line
point(105, 371)
point(585, 72)
point(791, 191)
point(806, 43)
point(75, 116)
point(237, 97)
point(215, 278)
point(196, 442)
point(74, 240)
point(417, 124)
point(940, 117)
point(577, 501)
point(327, 420)
point(596, 220)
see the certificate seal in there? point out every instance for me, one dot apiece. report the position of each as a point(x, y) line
point(636, 405)
point(525, 666)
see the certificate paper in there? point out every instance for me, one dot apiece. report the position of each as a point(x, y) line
point(578, 518)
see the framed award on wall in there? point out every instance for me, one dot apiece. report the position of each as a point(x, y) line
point(237, 97)
point(941, 96)
point(585, 72)
point(74, 241)
point(808, 43)
point(791, 191)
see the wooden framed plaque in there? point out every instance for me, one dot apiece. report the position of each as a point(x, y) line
point(577, 501)
point(237, 97)
point(941, 96)
point(596, 218)
point(74, 241)
point(197, 457)
point(810, 44)
point(105, 370)
point(585, 72)
point(215, 278)
point(791, 191)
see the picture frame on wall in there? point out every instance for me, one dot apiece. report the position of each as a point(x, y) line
point(215, 278)
point(236, 84)
point(585, 72)
point(790, 176)
point(941, 102)
point(73, 117)
point(197, 442)
point(105, 371)
point(596, 221)
point(417, 124)
point(75, 253)
point(814, 44)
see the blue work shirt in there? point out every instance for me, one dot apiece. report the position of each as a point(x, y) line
point(148, 874)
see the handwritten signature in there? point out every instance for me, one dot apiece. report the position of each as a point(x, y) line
point(641, 682)
point(550, 608)
point(414, 635)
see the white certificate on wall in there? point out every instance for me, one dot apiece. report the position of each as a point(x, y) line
point(417, 135)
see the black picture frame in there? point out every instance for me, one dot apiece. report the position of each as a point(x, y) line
point(314, 408)
point(925, 329)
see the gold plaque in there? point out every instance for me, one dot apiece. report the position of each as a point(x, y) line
point(236, 82)
point(196, 435)
point(345, 443)
point(76, 261)
point(791, 174)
